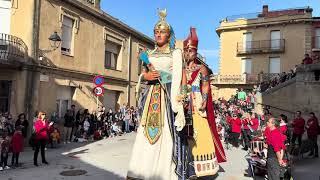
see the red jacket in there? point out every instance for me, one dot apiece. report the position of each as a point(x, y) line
point(17, 142)
point(236, 125)
point(41, 129)
point(266, 132)
point(283, 128)
point(245, 123)
point(313, 128)
point(229, 120)
point(275, 138)
point(254, 124)
point(298, 126)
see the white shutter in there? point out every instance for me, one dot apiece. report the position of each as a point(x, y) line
point(113, 47)
point(275, 39)
point(274, 65)
point(246, 66)
point(67, 27)
point(5, 14)
point(247, 41)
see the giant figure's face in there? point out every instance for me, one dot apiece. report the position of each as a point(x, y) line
point(161, 36)
point(190, 54)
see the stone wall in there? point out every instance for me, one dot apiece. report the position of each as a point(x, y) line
point(301, 93)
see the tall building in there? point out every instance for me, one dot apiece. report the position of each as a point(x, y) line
point(39, 72)
point(256, 45)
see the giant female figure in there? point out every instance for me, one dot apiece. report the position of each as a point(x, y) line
point(158, 150)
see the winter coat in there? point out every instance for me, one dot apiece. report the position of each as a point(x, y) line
point(17, 142)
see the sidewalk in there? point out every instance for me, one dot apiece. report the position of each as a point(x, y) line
point(93, 159)
point(306, 168)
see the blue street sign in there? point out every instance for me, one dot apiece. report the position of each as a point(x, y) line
point(98, 80)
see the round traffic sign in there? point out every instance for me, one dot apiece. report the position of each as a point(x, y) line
point(98, 91)
point(98, 80)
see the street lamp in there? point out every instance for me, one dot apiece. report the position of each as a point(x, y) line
point(55, 40)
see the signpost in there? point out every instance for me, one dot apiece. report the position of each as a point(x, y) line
point(98, 80)
point(98, 90)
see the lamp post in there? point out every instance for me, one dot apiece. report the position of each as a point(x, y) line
point(55, 40)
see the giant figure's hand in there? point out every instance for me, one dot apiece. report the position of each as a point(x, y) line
point(179, 121)
point(151, 75)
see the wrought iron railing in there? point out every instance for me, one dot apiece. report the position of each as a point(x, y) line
point(12, 48)
point(236, 79)
point(258, 14)
point(262, 46)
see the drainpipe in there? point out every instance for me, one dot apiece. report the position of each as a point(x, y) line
point(32, 75)
point(129, 69)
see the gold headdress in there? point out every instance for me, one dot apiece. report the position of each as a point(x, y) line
point(162, 23)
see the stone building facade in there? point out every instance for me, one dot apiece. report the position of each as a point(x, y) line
point(52, 78)
point(268, 42)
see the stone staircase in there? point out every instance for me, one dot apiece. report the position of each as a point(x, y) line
point(300, 93)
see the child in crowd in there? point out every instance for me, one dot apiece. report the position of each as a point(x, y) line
point(17, 146)
point(5, 145)
point(55, 137)
point(97, 135)
point(86, 126)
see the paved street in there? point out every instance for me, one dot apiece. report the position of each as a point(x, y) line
point(108, 160)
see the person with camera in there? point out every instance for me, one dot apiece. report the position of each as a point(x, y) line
point(41, 127)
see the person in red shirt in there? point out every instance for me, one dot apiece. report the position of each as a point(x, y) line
point(41, 127)
point(275, 150)
point(298, 128)
point(307, 59)
point(246, 132)
point(254, 122)
point(312, 132)
point(283, 124)
point(235, 130)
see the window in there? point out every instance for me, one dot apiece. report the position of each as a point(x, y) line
point(247, 41)
point(246, 66)
point(317, 39)
point(275, 39)
point(67, 35)
point(274, 65)
point(112, 52)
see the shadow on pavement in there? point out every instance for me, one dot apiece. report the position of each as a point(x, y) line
point(65, 162)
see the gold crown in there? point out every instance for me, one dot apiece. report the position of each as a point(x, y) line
point(162, 23)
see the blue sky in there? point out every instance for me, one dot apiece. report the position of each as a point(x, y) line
point(203, 14)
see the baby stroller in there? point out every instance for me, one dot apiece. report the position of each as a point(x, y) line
point(257, 160)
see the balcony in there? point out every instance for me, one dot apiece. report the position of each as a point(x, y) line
point(316, 43)
point(261, 47)
point(12, 49)
point(236, 79)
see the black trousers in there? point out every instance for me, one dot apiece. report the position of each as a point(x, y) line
point(246, 133)
point(4, 159)
point(15, 158)
point(40, 145)
point(273, 169)
point(294, 137)
point(234, 137)
point(315, 147)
